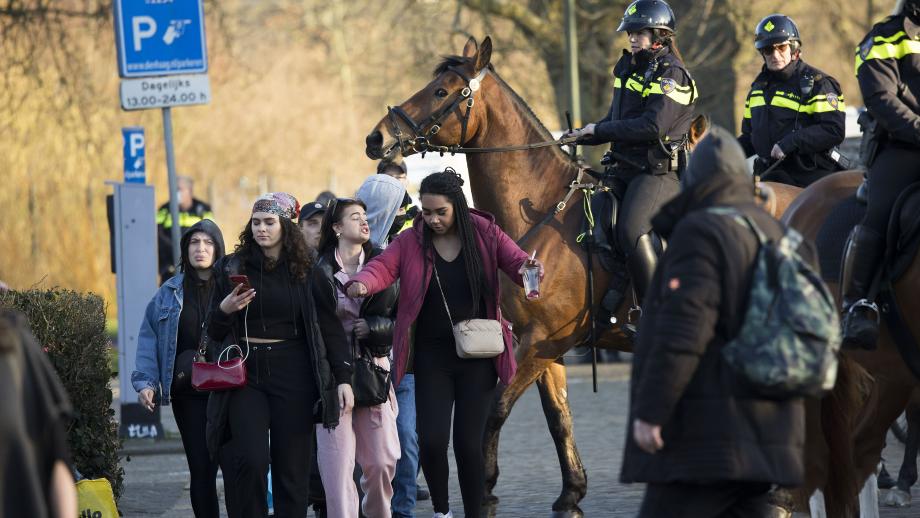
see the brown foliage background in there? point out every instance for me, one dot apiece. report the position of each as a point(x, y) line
point(296, 84)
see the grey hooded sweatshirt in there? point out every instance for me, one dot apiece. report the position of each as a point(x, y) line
point(383, 195)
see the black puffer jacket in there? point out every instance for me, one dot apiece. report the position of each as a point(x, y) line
point(713, 427)
point(221, 324)
point(378, 310)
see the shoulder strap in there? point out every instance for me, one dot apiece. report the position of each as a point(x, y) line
point(740, 218)
point(434, 268)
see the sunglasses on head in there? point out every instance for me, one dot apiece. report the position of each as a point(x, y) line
point(781, 47)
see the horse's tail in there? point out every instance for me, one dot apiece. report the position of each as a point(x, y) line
point(838, 419)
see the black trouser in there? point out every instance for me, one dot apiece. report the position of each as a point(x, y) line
point(277, 399)
point(643, 196)
point(721, 500)
point(443, 383)
point(894, 169)
point(191, 417)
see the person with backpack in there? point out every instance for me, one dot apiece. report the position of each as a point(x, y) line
point(703, 438)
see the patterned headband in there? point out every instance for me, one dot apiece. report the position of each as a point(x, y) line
point(280, 204)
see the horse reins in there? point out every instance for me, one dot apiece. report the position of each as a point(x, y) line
point(419, 141)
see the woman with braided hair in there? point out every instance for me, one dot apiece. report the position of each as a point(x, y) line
point(449, 259)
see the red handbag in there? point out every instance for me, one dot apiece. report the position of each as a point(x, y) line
point(221, 375)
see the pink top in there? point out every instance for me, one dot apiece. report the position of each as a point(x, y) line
point(403, 259)
point(346, 308)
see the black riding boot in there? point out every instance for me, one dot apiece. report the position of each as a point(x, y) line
point(860, 316)
point(641, 265)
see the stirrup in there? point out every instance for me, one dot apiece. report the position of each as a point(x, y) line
point(631, 327)
point(869, 305)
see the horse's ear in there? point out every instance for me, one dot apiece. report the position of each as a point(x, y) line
point(485, 54)
point(471, 48)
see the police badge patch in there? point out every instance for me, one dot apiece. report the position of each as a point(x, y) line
point(832, 100)
point(668, 86)
point(865, 48)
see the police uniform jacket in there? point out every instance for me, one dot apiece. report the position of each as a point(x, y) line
point(777, 112)
point(653, 97)
point(888, 71)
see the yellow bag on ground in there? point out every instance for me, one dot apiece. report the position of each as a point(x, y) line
point(95, 499)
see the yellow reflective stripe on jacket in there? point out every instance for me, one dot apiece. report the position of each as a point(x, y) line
point(755, 101)
point(632, 84)
point(783, 102)
point(680, 94)
point(185, 219)
point(617, 83)
point(884, 49)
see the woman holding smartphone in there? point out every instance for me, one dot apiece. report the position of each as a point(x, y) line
point(287, 369)
point(166, 345)
point(464, 249)
point(366, 433)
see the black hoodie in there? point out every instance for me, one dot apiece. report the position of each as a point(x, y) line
point(713, 427)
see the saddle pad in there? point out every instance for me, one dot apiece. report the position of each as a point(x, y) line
point(832, 237)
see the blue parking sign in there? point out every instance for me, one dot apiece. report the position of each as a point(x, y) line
point(135, 155)
point(160, 37)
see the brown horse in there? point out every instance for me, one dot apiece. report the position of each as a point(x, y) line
point(520, 188)
point(873, 387)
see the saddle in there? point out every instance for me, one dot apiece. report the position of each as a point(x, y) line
point(903, 238)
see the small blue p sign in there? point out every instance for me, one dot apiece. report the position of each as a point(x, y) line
point(135, 161)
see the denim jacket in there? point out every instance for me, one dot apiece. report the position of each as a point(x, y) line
point(156, 343)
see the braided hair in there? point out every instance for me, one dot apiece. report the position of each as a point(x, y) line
point(449, 184)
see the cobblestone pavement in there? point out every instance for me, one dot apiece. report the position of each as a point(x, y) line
point(156, 485)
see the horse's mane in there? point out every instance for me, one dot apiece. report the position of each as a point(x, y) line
point(457, 61)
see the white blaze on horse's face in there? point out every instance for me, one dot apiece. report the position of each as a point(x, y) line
point(438, 213)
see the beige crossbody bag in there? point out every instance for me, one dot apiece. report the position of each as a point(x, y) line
point(476, 337)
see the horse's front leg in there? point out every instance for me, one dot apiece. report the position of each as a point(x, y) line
point(553, 388)
point(530, 368)
point(899, 496)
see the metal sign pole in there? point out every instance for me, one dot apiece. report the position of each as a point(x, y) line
point(176, 232)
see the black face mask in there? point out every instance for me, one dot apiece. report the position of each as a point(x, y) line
point(397, 225)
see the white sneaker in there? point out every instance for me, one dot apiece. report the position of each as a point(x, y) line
point(442, 515)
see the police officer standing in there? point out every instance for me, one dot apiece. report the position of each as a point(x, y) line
point(646, 126)
point(794, 113)
point(888, 71)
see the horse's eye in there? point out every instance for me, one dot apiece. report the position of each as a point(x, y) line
point(441, 92)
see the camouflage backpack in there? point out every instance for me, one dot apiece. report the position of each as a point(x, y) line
point(790, 337)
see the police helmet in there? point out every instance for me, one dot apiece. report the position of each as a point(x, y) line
point(647, 14)
point(911, 10)
point(776, 29)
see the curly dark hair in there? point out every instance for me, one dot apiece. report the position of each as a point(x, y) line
point(449, 183)
point(327, 238)
point(293, 248)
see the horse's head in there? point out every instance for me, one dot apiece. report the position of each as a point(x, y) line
point(440, 114)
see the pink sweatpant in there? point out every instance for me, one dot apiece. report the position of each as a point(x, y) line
point(368, 435)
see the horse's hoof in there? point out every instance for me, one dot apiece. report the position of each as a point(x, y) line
point(897, 498)
point(571, 513)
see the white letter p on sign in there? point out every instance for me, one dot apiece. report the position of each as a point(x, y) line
point(142, 27)
point(136, 143)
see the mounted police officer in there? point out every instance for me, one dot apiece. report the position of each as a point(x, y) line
point(888, 70)
point(794, 113)
point(646, 127)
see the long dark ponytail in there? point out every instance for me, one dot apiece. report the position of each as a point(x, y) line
point(668, 39)
point(449, 184)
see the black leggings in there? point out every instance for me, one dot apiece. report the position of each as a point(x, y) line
point(277, 399)
point(445, 383)
point(892, 171)
point(191, 417)
point(718, 500)
point(645, 195)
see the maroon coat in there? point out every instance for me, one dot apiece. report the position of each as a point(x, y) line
point(403, 259)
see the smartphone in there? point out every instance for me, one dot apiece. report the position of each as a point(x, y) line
point(241, 279)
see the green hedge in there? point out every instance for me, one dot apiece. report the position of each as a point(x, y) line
point(71, 328)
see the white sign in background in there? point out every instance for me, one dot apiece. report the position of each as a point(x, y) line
point(163, 92)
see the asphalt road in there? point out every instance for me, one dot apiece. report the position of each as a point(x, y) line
point(157, 477)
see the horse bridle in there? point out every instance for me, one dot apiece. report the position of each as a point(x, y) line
point(420, 139)
point(421, 133)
